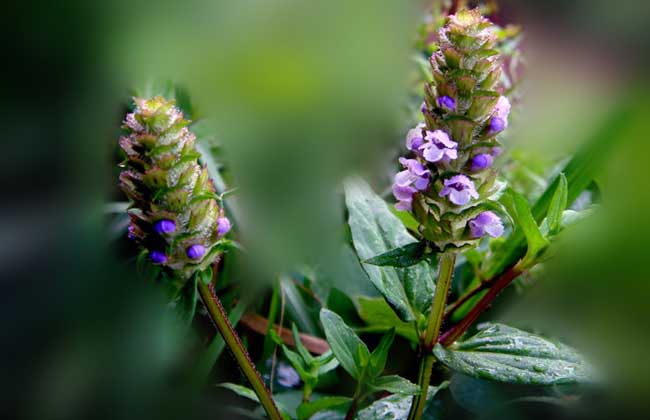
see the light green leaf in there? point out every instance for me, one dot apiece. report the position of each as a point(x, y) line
point(557, 206)
point(380, 353)
point(520, 211)
point(505, 354)
point(240, 390)
point(396, 407)
point(306, 356)
point(375, 230)
point(326, 363)
point(395, 384)
point(298, 364)
point(306, 410)
point(380, 317)
point(350, 351)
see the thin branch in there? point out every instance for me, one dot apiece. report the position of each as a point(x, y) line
point(258, 324)
point(455, 332)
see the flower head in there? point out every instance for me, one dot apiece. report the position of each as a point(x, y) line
point(481, 161)
point(486, 222)
point(415, 178)
point(438, 146)
point(460, 190)
point(194, 252)
point(446, 102)
point(164, 226)
point(499, 120)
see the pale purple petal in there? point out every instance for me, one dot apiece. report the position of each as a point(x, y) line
point(404, 205)
point(486, 222)
point(414, 138)
point(403, 178)
point(432, 153)
point(459, 197)
point(403, 193)
point(440, 137)
point(460, 190)
point(502, 108)
point(422, 183)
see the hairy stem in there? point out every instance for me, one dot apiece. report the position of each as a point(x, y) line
point(446, 265)
point(220, 319)
point(501, 282)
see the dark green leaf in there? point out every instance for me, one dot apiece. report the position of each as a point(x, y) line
point(350, 351)
point(395, 384)
point(505, 354)
point(380, 317)
point(188, 298)
point(557, 206)
point(375, 230)
point(402, 257)
point(306, 410)
point(380, 354)
point(395, 407)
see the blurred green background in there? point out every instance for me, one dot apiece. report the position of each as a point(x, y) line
point(300, 95)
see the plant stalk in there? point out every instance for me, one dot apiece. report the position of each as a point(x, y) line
point(355, 402)
point(220, 319)
point(446, 265)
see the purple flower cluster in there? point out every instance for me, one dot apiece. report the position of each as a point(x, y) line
point(408, 182)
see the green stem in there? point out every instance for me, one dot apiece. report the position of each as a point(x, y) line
point(446, 265)
point(355, 402)
point(220, 319)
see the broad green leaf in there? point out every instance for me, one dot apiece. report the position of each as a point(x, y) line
point(557, 206)
point(346, 346)
point(380, 353)
point(395, 384)
point(402, 257)
point(380, 317)
point(505, 354)
point(306, 410)
point(520, 211)
point(396, 407)
point(375, 230)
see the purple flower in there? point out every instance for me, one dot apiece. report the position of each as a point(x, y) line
point(438, 146)
point(287, 376)
point(446, 102)
point(460, 190)
point(423, 107)
point(481, 161)
point(415, 178)
point(496, 151)
point(486, 222)
point(194, 252)
point(164, 226)
point(131, 232)
point(223, 226)
point(414, 138)
point(499, 120)
point(158, 257)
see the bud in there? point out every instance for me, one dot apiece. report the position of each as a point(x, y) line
point(175, 213)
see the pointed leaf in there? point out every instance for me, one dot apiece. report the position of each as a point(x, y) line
point(519, 209)
point(379, 316)
point(557, 206)
point(380, 353)
point(346, 346)
point(402, 257)
point(396, 407)
point(505, 354)
point(395, 384)
point(304, 353)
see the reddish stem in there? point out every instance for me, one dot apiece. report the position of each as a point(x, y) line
point(455, 332)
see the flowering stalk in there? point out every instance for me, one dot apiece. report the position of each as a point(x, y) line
point(175, 215)
point(448, 182)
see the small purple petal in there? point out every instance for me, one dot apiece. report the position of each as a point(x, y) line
point(438, 146)
point(157, 257)
point(496, 125)
point(404, 205)
point(433, 154)
point(414, 138)
point(131, 232)
point(481, 161)
point(194, 252)
point(223, 226)
point(486, 222)
point(460, 190)
point(502, 108)
point(446, 102)
point(496, 151)
point(423, 107)
point(403, 193)
point(441, 138)
point(422, 183)
point(164, 226)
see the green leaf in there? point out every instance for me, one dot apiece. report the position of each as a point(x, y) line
point(298, 364)
point(396, 406)
point(326, 363)
point(519, 209)
point(557, 206)
point(375, 230)
point(296, 306)
point(402, 257)
point(205, 276)
point(304, 353)
point(380, 317)
point(395, 384)
point(350, 351)
point(240, 390)
point(380, 354)
point(306, 410)
point(505, 354)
